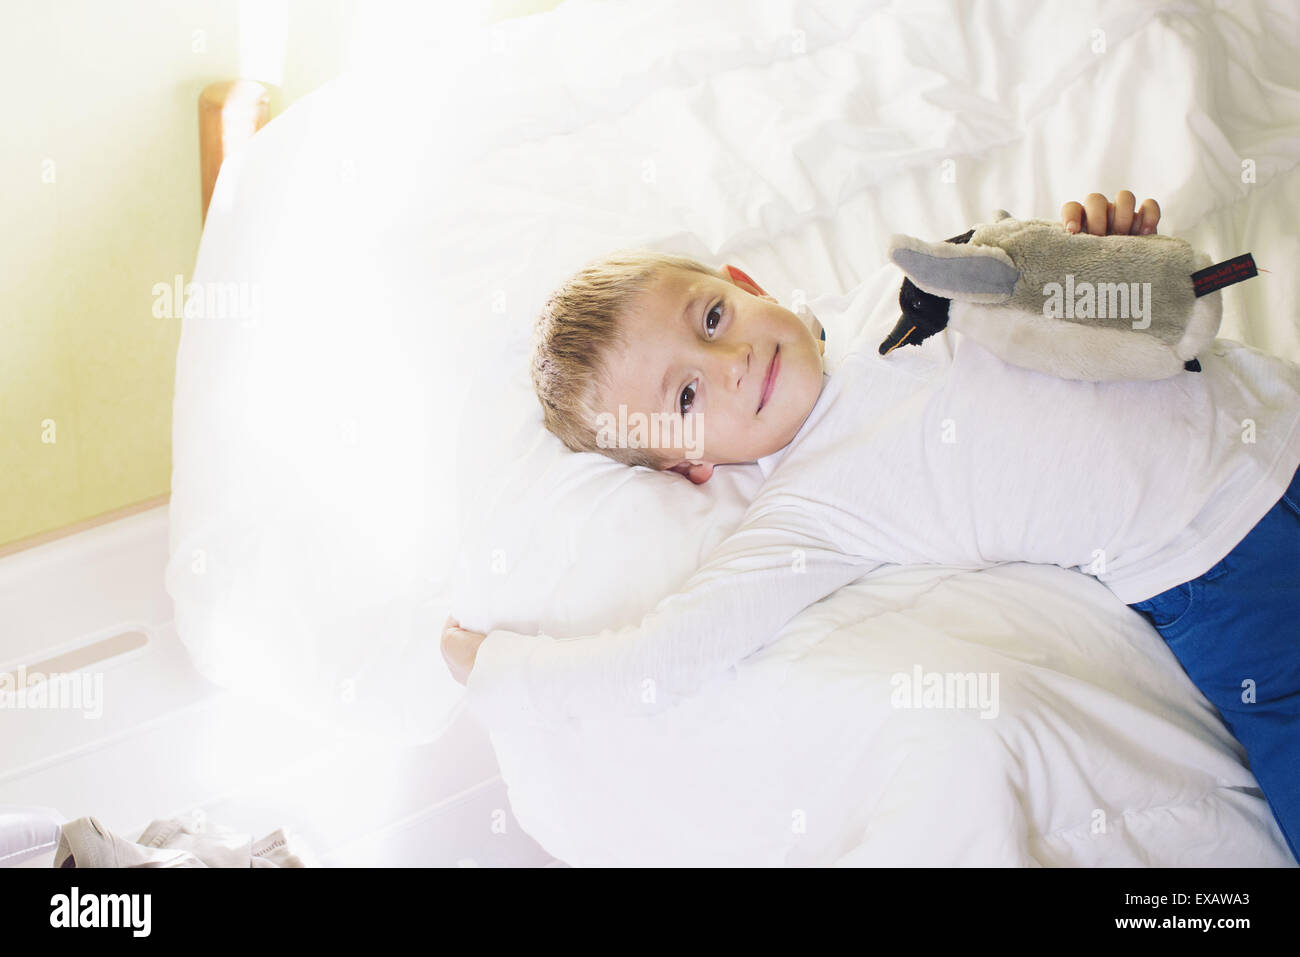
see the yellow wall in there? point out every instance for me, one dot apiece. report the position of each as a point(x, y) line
point(99, 168)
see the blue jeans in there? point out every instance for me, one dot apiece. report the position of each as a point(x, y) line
point(1236, 632)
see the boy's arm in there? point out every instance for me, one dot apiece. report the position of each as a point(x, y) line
point(775, 565)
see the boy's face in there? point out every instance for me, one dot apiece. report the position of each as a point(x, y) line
point(721, 349)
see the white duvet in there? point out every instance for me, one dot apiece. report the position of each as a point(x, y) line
point(1099, 751)
point(791, 139)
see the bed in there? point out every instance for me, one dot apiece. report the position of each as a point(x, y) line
point(361, 454)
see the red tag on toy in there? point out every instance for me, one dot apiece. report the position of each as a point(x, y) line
point(1224, 274)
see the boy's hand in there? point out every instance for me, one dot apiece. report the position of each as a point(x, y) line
point(1101, 217)
point(459, 649)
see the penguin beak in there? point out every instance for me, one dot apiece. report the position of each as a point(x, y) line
point(902, 331)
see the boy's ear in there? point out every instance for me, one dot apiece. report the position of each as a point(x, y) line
point(699, 474)
point(740, 278)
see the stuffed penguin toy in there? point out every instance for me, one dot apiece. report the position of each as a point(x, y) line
point(1076, 306)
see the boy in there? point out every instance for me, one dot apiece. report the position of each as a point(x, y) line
point(942, 454)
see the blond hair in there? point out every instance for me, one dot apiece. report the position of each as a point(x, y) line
point(574, 336)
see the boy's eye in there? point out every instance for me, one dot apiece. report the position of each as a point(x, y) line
point(709, 324)
point(687, 398)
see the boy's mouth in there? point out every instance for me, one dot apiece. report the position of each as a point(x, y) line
point(769, 383)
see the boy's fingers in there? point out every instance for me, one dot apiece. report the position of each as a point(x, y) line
point(1095, 209)
point(1150, 217)
point(459, 651)
point(454, 637)
point(1072, 217)
point(1123, 213)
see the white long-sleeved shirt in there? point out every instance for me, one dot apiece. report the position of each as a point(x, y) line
point(942, 454)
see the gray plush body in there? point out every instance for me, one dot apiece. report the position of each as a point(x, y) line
point(1000, 282)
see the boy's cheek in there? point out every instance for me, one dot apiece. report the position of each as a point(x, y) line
point(809, 319)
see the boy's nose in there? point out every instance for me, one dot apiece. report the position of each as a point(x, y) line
point(733, 364)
